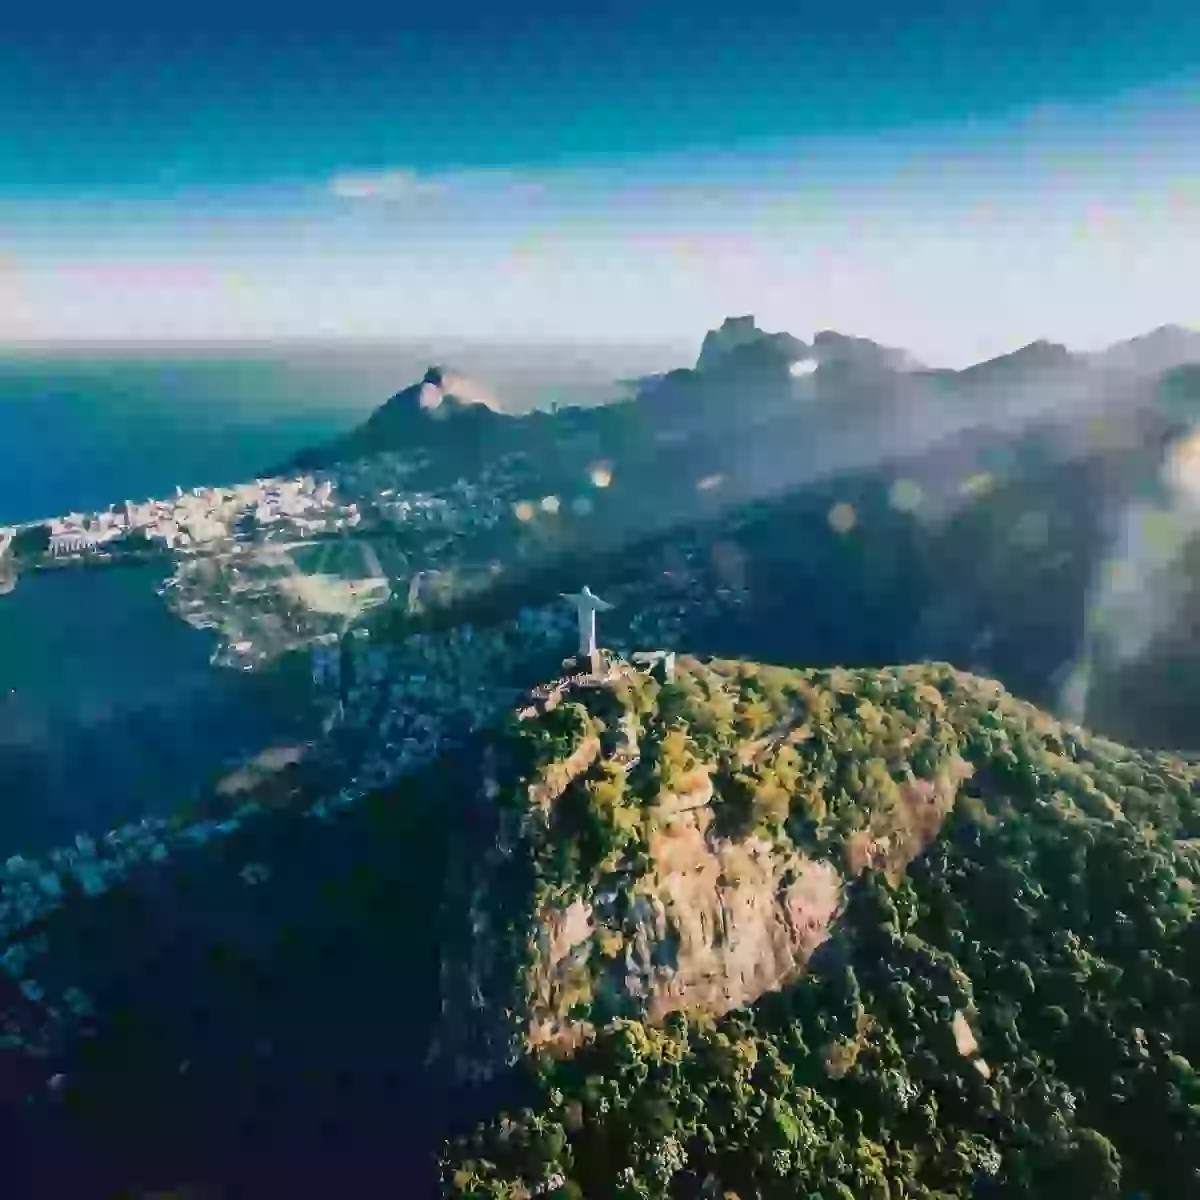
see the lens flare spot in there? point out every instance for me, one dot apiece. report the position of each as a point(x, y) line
point(550, 504)
point(905, 495)
point(600, 475)
point(842, 518)
point(523, 510)
point(1161, 530)
point(978, 484)
point(1183, 467)
point(709, 482)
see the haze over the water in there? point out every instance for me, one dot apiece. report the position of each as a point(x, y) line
point(955, 184)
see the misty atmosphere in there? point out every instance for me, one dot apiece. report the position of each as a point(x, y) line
point(600, 605)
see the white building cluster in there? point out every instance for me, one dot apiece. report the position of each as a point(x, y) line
point(77, 533)
point(208, 517)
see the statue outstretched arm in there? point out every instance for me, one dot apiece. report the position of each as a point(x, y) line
point(603, 606)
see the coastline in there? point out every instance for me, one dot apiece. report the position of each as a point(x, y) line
point(114, 709)
point(135, 558)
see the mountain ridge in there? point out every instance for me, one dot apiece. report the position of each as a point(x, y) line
point(767, 370)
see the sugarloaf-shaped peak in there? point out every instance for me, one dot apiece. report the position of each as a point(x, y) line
point(442, 385)
point(434, 411)
point(429, 391)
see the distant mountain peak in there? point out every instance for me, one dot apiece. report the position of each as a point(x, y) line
point(439, 386)
point(829, 345)
point(730, 334)
point(1042, 351)
point(749, 384)
point(741, 336)
point(1038, 356)
point(1163, 333)
point(744, 325)
point(1162, 349)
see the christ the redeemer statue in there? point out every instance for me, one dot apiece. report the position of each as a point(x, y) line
point(587, 606)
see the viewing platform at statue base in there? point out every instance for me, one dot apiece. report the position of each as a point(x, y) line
point(587, 664)
point(600, 668)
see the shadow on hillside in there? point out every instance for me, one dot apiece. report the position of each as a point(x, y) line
point(266, 1038)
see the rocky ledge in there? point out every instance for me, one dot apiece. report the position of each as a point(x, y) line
point(682, 845)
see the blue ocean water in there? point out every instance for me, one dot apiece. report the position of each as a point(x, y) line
point(83, 434)
point(109, 708)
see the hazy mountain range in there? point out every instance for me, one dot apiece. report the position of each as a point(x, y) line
point(1019, 486)
point(769, 410)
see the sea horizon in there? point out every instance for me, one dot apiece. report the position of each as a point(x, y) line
point(83, 428)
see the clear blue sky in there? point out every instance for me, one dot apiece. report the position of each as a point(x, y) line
point(958, 177)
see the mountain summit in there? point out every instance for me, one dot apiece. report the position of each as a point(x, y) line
point(830, 346)
point(443, 384)
point(440, 390)
point(1037, 358)
point(737, 333)
point(443, 411)
point(1161, 349)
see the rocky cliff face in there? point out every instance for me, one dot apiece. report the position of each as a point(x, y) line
point(712, 924)
point(683, 846)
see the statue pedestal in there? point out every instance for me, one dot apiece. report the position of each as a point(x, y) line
point(581, 664)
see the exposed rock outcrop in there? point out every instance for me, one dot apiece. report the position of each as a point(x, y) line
point(680, 845)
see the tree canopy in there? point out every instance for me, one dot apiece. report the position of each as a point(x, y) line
point(1013, 1014)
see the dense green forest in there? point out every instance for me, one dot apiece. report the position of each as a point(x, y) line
point(1013, 1014)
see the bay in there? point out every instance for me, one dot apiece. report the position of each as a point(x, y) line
point(109, 709)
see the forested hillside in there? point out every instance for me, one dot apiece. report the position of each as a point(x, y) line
point(1006, 1002)
point(750, 932)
